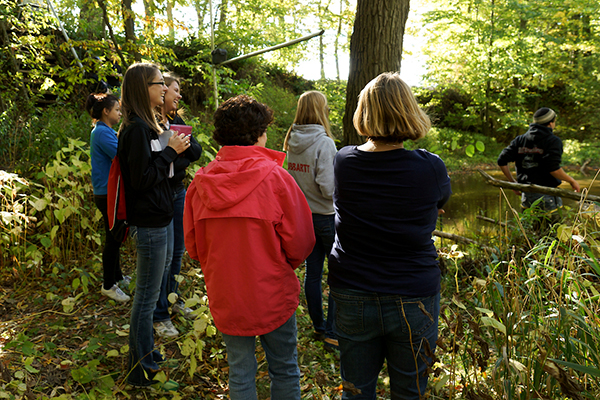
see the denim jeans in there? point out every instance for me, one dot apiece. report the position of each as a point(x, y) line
point(154, 250)
point(372, 328)
point(169, 284)
point(548, 202)
point(282, 356)
point(324, 226)
point(111, 265)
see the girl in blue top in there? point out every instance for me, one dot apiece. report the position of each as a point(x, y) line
point(105, 111)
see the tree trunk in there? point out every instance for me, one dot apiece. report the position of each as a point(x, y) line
point(337, 41)
point(375, 47)
point(170, 21)
point(222, 15)
point(200, 6)
point(102, 5)
point(149, 10)
point(129, 23)
point(88, 17)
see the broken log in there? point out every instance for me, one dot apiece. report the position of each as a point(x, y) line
point(460, 239)
point(490, 220)
point(569, 194)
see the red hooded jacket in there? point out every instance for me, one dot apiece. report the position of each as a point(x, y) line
point(248, 223)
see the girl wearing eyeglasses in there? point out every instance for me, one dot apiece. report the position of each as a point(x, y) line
point(146, 167)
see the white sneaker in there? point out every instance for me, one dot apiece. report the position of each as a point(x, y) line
point(116, 294)
point(165, 329)
point(126, 280)
point(180, 308)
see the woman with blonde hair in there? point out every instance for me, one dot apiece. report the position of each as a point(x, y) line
point(311, 149)
point(383, 272)
point(145, 167)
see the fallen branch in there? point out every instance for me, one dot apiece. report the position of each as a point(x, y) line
point(584, 166)
point(460, 239)
point(569, 194)
point(490, 220)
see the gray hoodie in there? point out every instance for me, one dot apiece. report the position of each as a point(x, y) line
point(310, 162)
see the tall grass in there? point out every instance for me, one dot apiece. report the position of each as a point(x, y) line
point(526, 325)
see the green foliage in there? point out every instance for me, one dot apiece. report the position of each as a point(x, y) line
point(335, 91)
point(48, 223)
point(524, 324)
point(512, 57)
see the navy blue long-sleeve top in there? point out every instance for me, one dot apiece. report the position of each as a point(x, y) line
point(386, 206)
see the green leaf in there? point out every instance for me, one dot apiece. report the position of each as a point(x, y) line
point(487, 312)
point(454, 145)
point(577, 367)
point(470, 150)
point(76, 283)
point(494, 323)
point(45, 242)
point(112, 353)
point(82, 375)
point(480, 146)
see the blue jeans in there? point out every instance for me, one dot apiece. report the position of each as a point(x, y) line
point(548, 202)
point(154, 250)
point(372, 328)
point(282, 356)
point(324, 226)
point(169, 284)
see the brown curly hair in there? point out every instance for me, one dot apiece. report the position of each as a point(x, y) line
point(240, 121)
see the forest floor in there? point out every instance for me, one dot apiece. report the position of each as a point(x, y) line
point(46, 352)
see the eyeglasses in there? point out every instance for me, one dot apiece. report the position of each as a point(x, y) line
point(162, 83)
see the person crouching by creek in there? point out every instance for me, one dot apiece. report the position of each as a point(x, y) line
point(248, 223)
point(537, 156)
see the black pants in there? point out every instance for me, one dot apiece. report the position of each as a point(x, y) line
point(111, 263)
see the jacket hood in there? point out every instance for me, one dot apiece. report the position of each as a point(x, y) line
point(537, 129)
point(235, 173)
point(303, 136)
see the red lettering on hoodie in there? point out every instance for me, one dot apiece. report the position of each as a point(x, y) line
point(299, 167)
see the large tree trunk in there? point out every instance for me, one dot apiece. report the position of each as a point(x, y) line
point(375, 47)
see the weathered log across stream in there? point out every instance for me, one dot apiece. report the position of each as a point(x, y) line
point(569, 194)
point(584, 196)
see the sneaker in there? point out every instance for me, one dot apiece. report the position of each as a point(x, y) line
point(116, 294)
point(181, 309)
point(165, 329)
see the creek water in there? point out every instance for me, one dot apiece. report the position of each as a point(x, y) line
point(471, 196)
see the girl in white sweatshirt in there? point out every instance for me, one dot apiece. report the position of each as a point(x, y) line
point(311, 149)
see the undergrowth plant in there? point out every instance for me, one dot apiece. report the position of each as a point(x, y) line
point(526, 326)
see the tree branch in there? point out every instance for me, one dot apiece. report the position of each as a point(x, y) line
point(112, 35)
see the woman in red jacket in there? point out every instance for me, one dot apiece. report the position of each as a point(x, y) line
point(248, 223)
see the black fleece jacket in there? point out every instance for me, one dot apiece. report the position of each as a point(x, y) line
point(145, 169)
point(535, 153)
